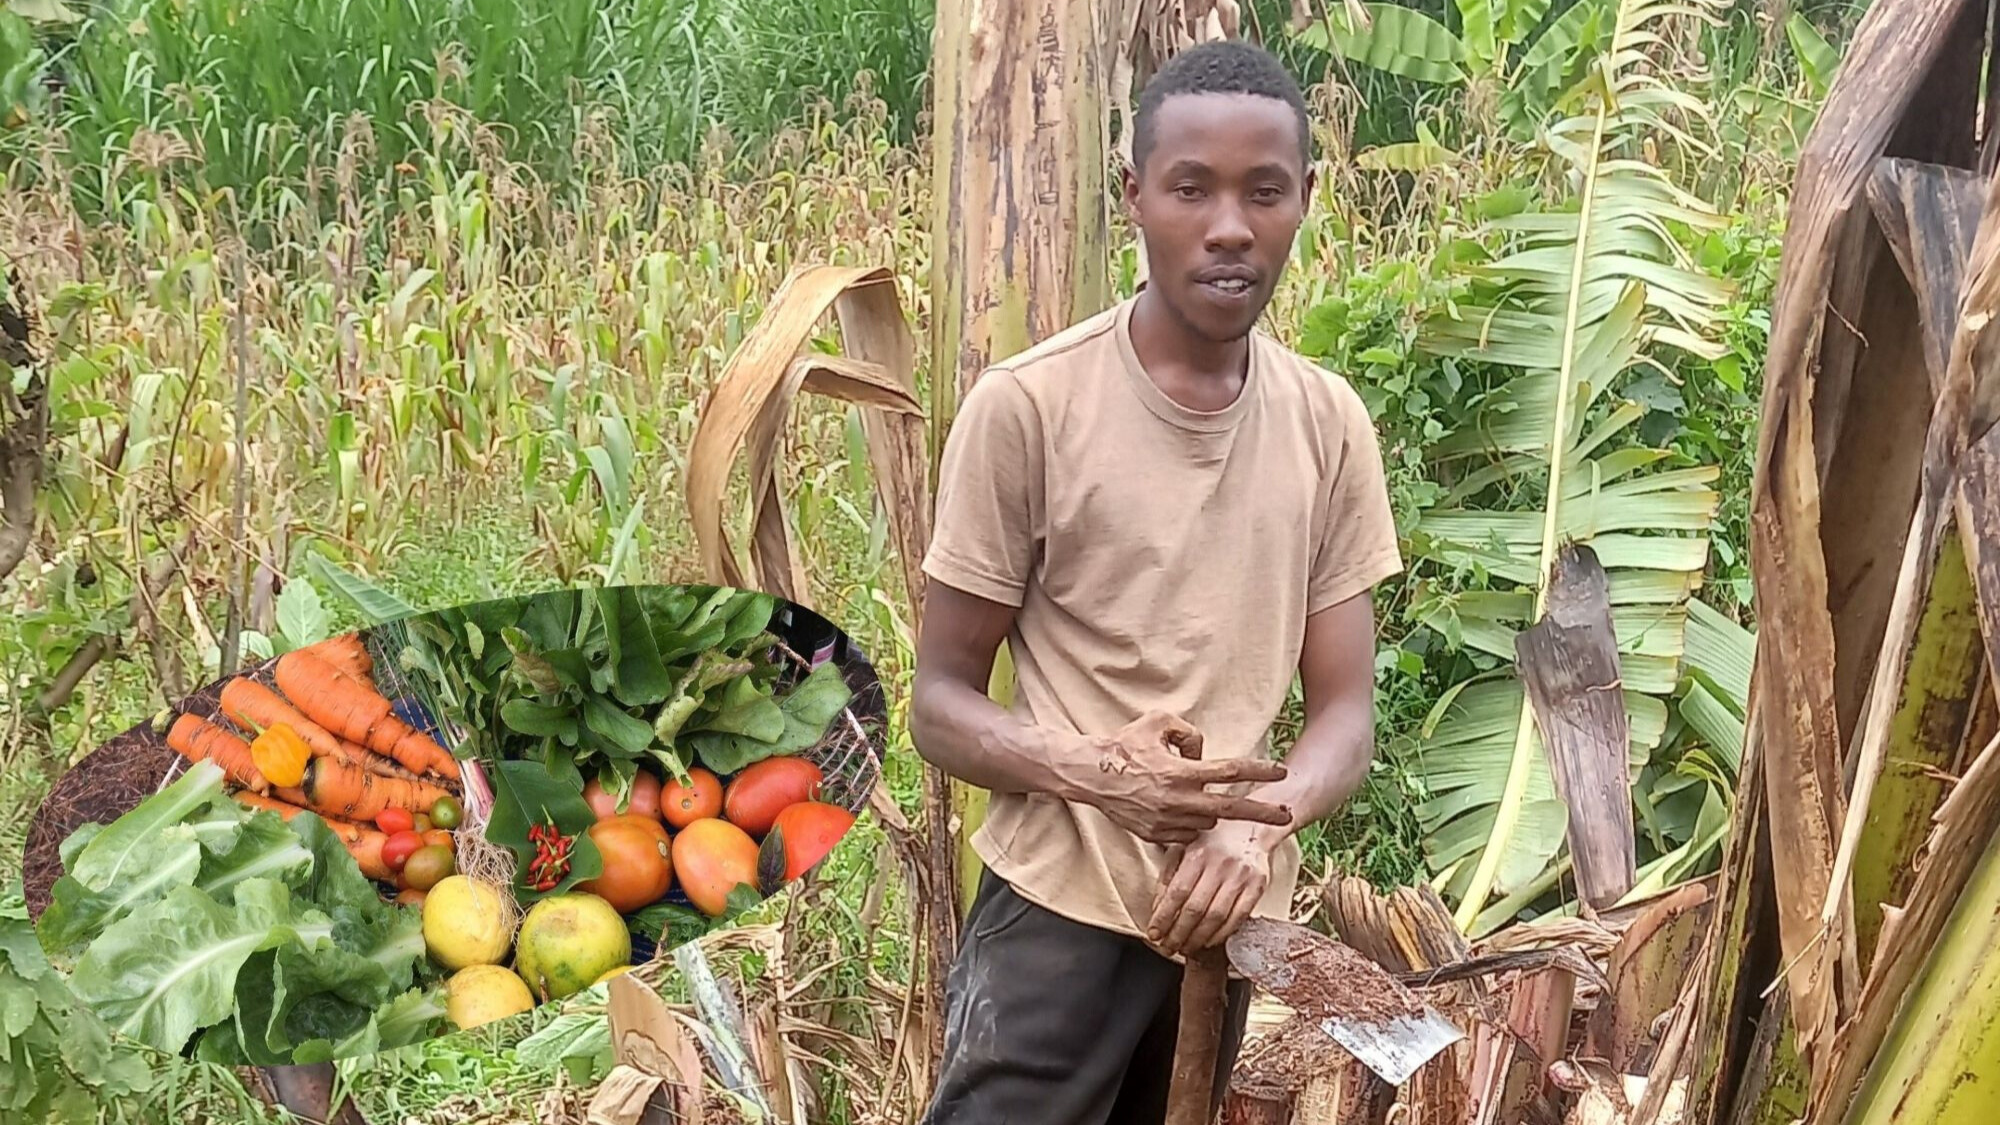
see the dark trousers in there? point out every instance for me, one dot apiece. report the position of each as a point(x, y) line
point(1054, 1022)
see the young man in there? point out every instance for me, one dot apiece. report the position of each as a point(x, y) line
point(1167, 514)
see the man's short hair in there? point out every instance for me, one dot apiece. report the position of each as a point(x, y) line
point(1222, 66)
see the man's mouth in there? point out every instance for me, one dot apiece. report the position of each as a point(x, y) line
point(1228, 281)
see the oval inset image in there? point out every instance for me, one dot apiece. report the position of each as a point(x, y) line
point(450, 818)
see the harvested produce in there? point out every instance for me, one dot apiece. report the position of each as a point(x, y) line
point(358, 713)
point(638, 863)
point(756, 796)
point(567, 941)
point(643, 798)
point(711, 858)
point(399, 848)
point(335, 787)
point(427, 866)
point(197, 739)
point(807, 831)
point(280, 755)
point(254, 707)
point(465, 923)
point(683, 804)
point(199, 923)
point(480, 994)
point(447, 813)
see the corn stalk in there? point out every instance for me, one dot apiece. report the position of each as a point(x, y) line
point(1587, 295)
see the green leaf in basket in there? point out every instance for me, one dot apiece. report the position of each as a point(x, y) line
point(808, 709)
point(548, 618)
point(541, 720)
point(742, 899)
point(748, 710)
point(631, 735)
point(638, 676)
point(525, 793)
point(531, 665)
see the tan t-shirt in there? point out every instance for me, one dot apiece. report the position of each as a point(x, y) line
point(1159, 557)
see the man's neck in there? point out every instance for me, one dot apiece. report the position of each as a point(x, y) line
point(1194, 371)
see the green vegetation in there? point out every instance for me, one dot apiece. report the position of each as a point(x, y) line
point(485, 286)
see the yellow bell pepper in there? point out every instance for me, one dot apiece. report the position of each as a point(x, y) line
point(281, 755)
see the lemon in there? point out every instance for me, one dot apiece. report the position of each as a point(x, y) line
point(567, 942)
point(480, 994)
point(611, 973)
point(465, 923)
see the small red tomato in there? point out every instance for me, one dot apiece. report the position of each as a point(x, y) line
point(399, 847)
point(393, 821)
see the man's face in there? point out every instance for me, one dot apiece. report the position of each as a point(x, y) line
point(1219, 204)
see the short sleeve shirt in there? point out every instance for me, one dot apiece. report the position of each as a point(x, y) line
point(1158, 558)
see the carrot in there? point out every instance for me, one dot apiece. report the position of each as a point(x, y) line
point(253, 706)
point(358, 713)
point(347, 655)
point(335, 788)
point(362, 842)
point(195, 738)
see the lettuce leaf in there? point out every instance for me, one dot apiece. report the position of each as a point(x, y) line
point(170, 969)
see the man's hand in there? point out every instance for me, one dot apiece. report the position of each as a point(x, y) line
point(1213, 888)
point(1150, 782)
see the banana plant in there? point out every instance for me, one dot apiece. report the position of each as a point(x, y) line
point(1582, 293)
point(1493, 42)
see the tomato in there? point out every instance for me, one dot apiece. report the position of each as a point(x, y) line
point(399, 847)
point(440, 838)
point(756, 796)
point(427, 867)
point(446, 813)
point(420, 824)
point(710, 858)
point(410, 896)
point(644, 799)
point(809, 830)
point(682, 805)
point(645, 795)
point(393, 821)
point(638, 862)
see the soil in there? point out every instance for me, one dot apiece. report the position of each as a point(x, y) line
point(109, 782)
point(1317, 976)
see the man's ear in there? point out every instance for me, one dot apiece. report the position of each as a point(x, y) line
point(1310, 186)
point(1129, 193)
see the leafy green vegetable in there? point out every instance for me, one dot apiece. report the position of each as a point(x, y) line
point(256, 940)
point(56, 1052)
point(592, 683)
point(807, 710)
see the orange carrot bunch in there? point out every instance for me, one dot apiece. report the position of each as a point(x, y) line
point(355, 711)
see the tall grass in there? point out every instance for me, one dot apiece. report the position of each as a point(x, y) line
point(264, 94)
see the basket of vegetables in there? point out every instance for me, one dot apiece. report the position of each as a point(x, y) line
point(643, 762)
point(456, 816)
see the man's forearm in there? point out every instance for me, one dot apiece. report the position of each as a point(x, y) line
point(963, 732)
point(1326, 766)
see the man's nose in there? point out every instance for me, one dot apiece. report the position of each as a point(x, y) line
point(1228, 230)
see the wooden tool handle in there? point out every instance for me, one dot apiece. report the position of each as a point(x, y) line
point(1204, 998)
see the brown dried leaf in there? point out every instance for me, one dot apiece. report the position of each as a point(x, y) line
point(752, 401)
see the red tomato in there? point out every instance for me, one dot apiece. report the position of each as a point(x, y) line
point(399, 848)
point(393, 821)
point(682, 805)
point(809, 830)
point(756, 796)
point(644, 799)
